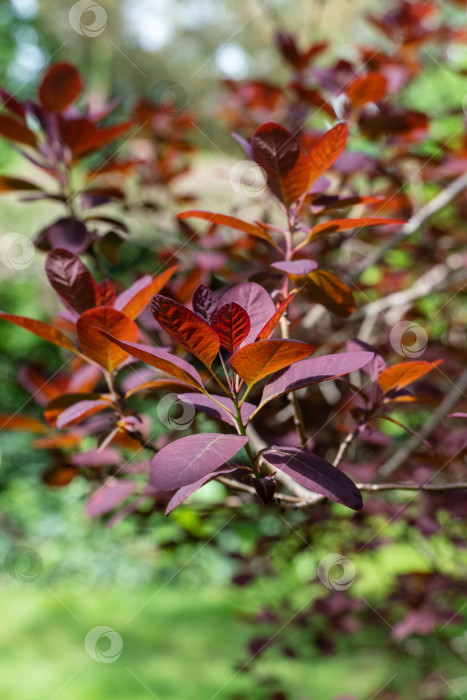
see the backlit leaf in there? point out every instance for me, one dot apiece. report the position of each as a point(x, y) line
point(274, 320)
point(186, 327)
point(43, 330)
point(98, 347)
point(232, 324)
point(135, 299)
point(338, 225)
point(399, 376)
point(371, 87)
point(257, 303)
point(191, 458)
point(231, 222)
point(16, 421)
point(278, 152)
point(330, 291)
point(254, 361)
point(15, 130)
point(325, 152)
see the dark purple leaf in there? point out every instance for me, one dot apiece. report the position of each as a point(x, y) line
point(312, 371)
point(256, 302)
point(316, 474)
point(205, 303)
point(189, 459)
point(186, 491)
point(71, 280)
point(265, 488)
point(70, 234)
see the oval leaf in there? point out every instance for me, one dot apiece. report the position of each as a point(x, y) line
point(206, 404)
point(316, 474)
point(191, 458)
point(313, 371)
point(14, 130)
point(325, 152)
point(186, 327)
point(230, 221)
point(256, 302)
point(161, 359)
point(296, 267)
point(60, 87)
point(205, 303)
point(330, 291)
point(81, 410)
point(337, 225)
point(95, 345)
point(110, 495)
point(256, 360)
point(232, 324)
point(71, 280)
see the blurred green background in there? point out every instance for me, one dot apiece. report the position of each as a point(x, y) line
point(165, 586)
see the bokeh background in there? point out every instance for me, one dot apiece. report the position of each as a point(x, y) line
point(173, 589)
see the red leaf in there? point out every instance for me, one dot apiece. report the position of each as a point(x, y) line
point(338, 225)
point(60, 87)
point(43, 330)
point(328, 290)
point(14, 130)
point(95, 345)
point(325, 152)
point(231, 222)
point(71, 279)
point(191, 458)
point(135, 299)
point(256, 360)
point(398, 376)
point(274, 320)
point(232, 324)
point(163, 360)
point(257, 303)
point(106, 294)
point(186, 327)
point(278, 152)
point(16, 421)
point(316, 474)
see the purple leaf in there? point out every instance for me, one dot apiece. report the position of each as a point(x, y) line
point(256, 302)
point(296, 267)
point(71, 279)
point(376, 365)
point(246, 145)
point(107, 457)
point(81, 410)
point(265, 488)
point(312, 371)
point(205, 303)
point(186, 491)
point(126, 296)
point(109, 496)
point(70, 234)
point(189, 459)
point(205, 404)
point(316, 474)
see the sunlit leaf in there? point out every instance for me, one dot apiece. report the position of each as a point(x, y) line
point(254, 361)
point(60, 87)
point(232, 324)
point(231, 222)
point(330, 291)
point(43, 330)
point(98, 347)
point(135, 299)
point(399, 376)
point(274, 320)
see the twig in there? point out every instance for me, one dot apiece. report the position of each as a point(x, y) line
point(346, 442)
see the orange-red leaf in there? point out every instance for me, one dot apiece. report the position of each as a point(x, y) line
point(367, 88)
point(230, 221)
point(136, 298)
point(186, 327)
point(95, 345)
point(43, 330)
point(60, 87)
point(330, 291)
point(254, 361)
point(278, 152)
point(232, 324)
point(16, 421)
point(399, 376)
point(337, 225)
point(325, 152)
point(274, 320)
point(14, 130)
